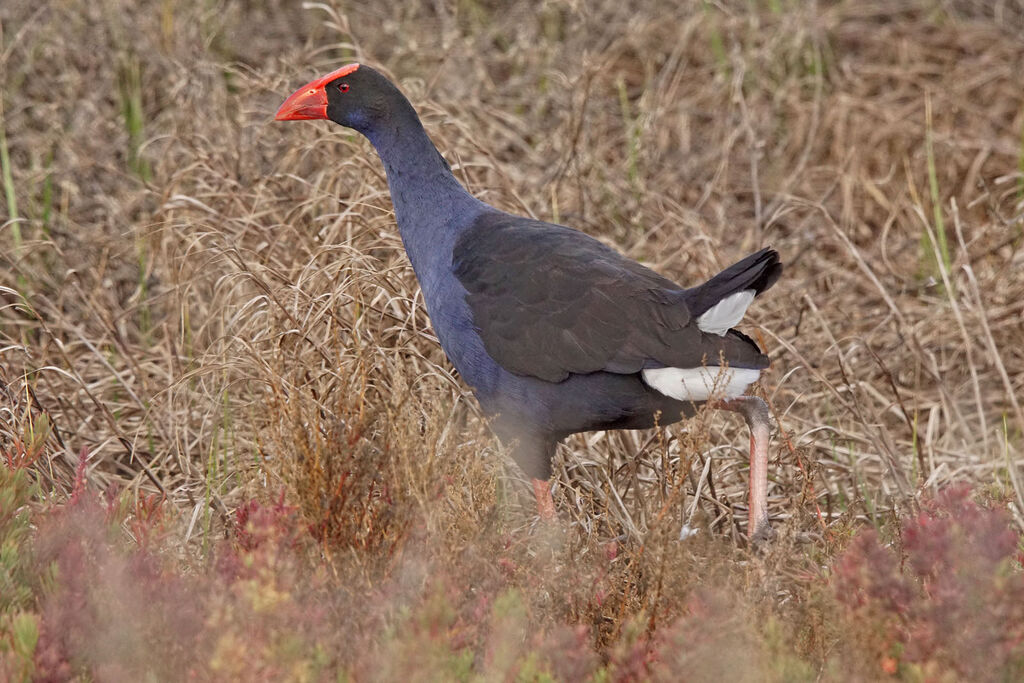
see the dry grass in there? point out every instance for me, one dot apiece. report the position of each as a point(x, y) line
point(216, 308)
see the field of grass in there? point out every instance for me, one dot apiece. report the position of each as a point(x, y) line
point(231, 448)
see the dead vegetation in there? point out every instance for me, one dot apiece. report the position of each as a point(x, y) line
point(214, 309)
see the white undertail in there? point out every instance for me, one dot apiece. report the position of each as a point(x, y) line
point(700, 384)
point(726, 314)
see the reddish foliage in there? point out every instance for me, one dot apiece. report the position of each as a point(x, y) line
point(116, 613)
point(120, 611)
point(949, 599)
point(257, 524)
point(954, 599)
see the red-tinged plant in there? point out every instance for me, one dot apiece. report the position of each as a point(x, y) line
point(23, 450)
point(950, 599)
point(113, 609)
point(257, 524)
point(346, 484)
point(147, 520)
point(567, 652)
point(108, 608)
point(714, 639)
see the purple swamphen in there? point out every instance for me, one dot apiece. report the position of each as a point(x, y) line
point(555, 332)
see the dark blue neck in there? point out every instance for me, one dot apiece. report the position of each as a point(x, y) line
point(431, 206)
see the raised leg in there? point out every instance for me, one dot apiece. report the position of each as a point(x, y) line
point(755, 411)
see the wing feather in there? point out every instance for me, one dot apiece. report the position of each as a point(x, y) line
point(548, 301)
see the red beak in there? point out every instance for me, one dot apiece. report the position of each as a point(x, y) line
point(310, 101)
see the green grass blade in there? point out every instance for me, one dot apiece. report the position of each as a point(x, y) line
point(8, 176)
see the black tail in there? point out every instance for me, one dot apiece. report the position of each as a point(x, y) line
point(757, 272)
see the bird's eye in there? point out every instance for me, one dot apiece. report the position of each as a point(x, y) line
point(343, 87)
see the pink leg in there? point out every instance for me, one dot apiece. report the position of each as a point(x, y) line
point(545, 503)
point(755, 412)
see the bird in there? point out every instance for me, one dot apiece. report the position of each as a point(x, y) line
point(555, 332)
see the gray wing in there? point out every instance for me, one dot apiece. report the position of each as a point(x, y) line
point(548, 301)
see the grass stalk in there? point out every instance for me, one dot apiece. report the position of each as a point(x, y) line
point(632, 130)
point(1020, 164)
point(933, 187)
point(46, 196)
point(715, 42)
point(145, 315)
point(1011, 465)
point(130, 89)
point(8, 178)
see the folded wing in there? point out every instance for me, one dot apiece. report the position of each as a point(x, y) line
point(548, 301)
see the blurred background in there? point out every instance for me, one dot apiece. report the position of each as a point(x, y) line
point(209, 314)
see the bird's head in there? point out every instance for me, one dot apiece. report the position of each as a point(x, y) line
point(354, 95)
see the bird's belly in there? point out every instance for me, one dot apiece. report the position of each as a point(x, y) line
point(582, 402)
point(595, 401)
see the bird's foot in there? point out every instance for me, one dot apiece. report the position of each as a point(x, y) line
point(762, 535)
